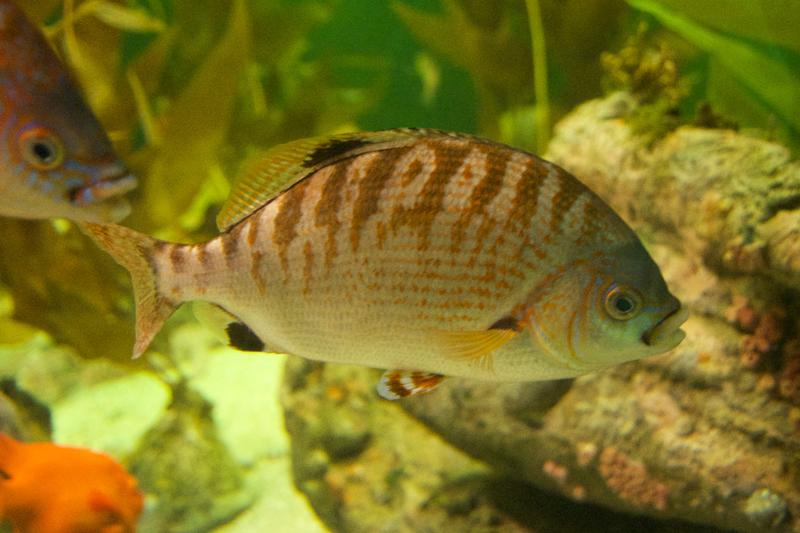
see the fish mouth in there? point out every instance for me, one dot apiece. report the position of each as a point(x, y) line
point(667, 331)
point(113, 182)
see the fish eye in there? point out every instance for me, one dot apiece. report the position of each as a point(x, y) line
point(623, 303)
point(42, 149)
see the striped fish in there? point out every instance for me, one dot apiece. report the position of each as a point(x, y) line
point(55, 158)
point(426, 253)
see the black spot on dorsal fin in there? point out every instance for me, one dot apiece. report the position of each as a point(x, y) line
point(332, 150)
point(4, 476)
point(243, 338)
point(507, 322)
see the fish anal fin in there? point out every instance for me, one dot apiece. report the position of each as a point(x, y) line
point(473, 345)
point(227, 327)
point(241, 337)
point(274, 171)
point(396, 384)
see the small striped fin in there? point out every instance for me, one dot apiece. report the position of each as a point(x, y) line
point(396, 384)
point(267, 175)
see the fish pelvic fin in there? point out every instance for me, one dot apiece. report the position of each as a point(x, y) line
point(135, 252)
point(396, 384)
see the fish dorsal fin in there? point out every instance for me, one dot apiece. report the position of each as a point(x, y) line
point(267, 175)
point(396, 384)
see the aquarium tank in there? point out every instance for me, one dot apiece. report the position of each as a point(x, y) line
point(399, 266)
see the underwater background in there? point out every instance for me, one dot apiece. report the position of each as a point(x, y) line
point(684, 116)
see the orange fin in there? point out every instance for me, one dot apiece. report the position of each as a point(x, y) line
point(396, 384)
point(8, 446)
point(134, 251)
point(473, 345)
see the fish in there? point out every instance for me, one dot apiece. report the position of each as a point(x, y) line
point(48, 488)
point(422, 252)
point(56, 160)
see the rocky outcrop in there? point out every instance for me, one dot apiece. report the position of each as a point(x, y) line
point(366, 465)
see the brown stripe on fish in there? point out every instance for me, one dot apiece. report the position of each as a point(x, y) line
point(177, 259)
point(447, 160)
point(230, 244)
point(569, 189)
point(308, 267)
point(286, 220)
point(253, 224)
point(410, 173)
point(200, 252)
point(496, 167)
point(526, 196)
point(255, 270)
point(329, 205)
point(370, 188)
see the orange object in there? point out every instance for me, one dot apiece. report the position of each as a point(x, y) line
point(47, 488)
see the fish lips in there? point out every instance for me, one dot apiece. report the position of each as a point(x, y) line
point(667, 332)
point(112, 183)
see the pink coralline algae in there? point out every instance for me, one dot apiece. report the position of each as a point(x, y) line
point(629, 480)
point(789, 380)
point(556, 471)
point(767, 331)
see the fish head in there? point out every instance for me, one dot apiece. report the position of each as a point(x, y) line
point(607, 310)
point(55, 158)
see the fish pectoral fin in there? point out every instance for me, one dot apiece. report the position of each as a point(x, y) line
point(396, 384)
point(268, 174)
point(473, 345)
point(227, 327)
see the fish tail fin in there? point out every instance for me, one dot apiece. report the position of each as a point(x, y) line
point(135, 252)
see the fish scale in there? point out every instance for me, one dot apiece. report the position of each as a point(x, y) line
point(429, 253)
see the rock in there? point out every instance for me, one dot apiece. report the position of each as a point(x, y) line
point(404, 478)
point(765, 508)
point(113, 415)
point(193, 482)
point(242, 387)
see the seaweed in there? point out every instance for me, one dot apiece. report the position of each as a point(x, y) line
point(752, 56)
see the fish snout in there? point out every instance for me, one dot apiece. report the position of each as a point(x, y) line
point(667, 330)
point(113, 181)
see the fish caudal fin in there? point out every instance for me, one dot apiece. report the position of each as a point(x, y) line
point(135, 251)
point(396, 384)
